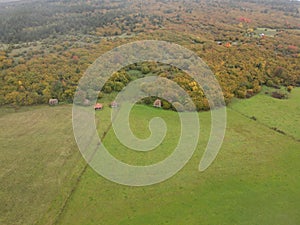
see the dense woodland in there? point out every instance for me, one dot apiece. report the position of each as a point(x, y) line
point(45, 46)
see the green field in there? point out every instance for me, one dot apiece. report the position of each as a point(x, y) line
point(274, 113)
point(254, 180)
point(267, 31)
point(39, 163)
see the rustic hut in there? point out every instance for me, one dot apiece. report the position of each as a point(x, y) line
point(114, 104)
point(157, 103)
point(262, 35)
point(86, 102)
point(98, 106)
point(228, 45)
point(53, 101)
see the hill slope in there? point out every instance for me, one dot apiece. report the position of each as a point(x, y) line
point(253, 181)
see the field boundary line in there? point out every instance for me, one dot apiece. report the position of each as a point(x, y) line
point(275, 129)
point(64, 206)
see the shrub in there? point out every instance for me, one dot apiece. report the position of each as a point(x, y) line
point(278, 130)
point(289, 89)
point(145, 69)
point(166, 105)
point(107, 89)
point(79, 97)
point(241, 93)
point(279, 95)
point(270, 83)
point(147, 100)
point(189, 106)
point(118, 86)
point(179, 107)
point(249, 93)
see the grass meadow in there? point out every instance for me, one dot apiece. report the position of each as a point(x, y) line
point(274, 113)
point(39, 163)
point(254, 179)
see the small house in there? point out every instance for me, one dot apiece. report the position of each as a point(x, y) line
point(98, 106)
point(262, 35)
point(86, 102)
point(228, 45)
point(53, 101)
point(114, 104)
point(157, 103)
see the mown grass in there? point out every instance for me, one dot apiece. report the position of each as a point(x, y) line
point(254, 180)
point(139, 122)
point(267, 31)
point(39, 163)
point(275, 113)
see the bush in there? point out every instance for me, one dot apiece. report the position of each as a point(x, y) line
point(189, 106)
point(279, 95)
point(118, 86)
point(79, 97)
point(249, 93)
point(91, 94)
point(289, 89)
point(179, 107)
point(241, 93)
point(107, 89)
point(270, 83)
point(147, 100)
point(166, 105)
point(278, 130)
point(145, 69)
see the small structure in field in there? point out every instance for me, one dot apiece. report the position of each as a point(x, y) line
point(157, 103)
point(114, 104)
point(86, 102)
point(262, 35)
point(228, 45)
point(53, 101)
point(98, 106)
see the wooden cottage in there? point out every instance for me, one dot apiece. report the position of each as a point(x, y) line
point(114, 104)
point(157, 103)
point(86, 102)
point(53, 101)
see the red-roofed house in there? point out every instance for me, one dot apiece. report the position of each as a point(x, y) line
point(98, 106)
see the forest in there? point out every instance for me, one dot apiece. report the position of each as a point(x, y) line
point(46, 46)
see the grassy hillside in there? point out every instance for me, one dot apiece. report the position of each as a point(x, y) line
point(254, 179)
point(39, 163)
point(275, 113)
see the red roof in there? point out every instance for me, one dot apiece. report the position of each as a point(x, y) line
point(98, 106)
